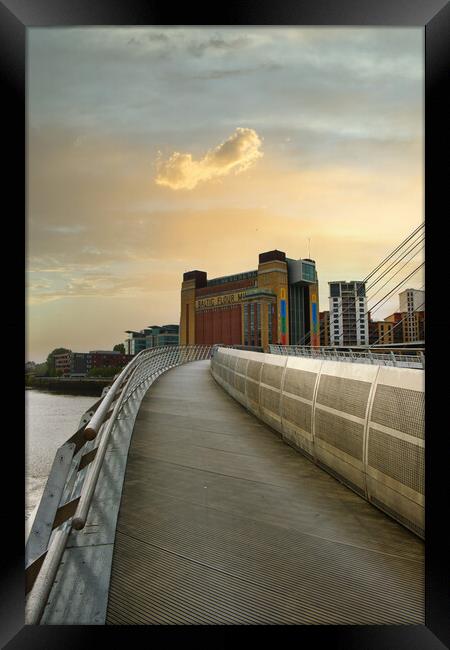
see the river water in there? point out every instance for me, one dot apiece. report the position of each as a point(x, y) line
point(50, 420)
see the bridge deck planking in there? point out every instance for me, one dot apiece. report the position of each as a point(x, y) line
point(221, 522)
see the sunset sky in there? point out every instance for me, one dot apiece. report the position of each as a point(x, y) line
point(154, 151)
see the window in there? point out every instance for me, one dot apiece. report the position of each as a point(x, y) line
point(246, 323)
point(308, 272)
point(258, 322)
point(335, 290)
point(252, 323)
point(270, 310)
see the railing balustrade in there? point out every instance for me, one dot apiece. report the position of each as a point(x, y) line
point(400, 357)
point(71, 484)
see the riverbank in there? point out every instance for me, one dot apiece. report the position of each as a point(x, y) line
point(50, 420)
point(68, 386)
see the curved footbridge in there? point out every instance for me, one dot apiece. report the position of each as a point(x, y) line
point(222, 522)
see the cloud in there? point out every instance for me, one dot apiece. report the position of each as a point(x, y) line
point(219, 44)
point(101, 285)
point(223, 73)
point(237, 154)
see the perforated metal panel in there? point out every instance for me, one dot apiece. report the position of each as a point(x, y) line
point(296, 412)
point(254, 369)
point(270, 400)
point(300, 382)
point(340, 432)
point(232, 362)
point(400, 408)
point(272, 375)
point(252, 390)
point(241, 366)
point(399, 459)
point(342, 394)
point(239, 383)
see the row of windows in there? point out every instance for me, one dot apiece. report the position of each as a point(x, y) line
point(361, 328)
point(360, 300)
point(232, 278)
point(308, 272)
point(252, 335)
point(270, 313)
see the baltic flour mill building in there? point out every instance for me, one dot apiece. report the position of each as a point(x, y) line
point(276, 303)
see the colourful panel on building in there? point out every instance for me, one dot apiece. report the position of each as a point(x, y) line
point(315, 332)
point(283, 321)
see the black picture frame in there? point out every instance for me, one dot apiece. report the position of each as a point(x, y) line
point(16, 16)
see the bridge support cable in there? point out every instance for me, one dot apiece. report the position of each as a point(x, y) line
point(410, 246)
point(394, 274)
point(382, 300)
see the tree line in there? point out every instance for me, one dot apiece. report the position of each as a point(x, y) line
point(47, 368)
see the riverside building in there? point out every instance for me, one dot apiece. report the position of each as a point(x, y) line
point(348, 313)
point(404, 326)
point(78, 364)
point(324, 327)
point(275, 303)
point(151, 337)
point(412, 305)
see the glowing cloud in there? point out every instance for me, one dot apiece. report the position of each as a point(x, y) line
point(236, 154)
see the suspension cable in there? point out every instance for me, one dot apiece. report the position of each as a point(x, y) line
point(387, 258)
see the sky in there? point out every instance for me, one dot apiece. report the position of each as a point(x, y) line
point(158, 150)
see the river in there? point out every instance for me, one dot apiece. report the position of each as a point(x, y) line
point(50, 419)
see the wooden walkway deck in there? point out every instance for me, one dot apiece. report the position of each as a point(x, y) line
point(221, 522)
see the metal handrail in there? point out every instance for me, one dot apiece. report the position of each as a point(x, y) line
point(98, 418)
point(46, 577)
point(90, 482)
point(147, 365)
point(409, 357)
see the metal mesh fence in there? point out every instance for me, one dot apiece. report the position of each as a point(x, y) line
point(405, 358)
